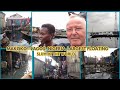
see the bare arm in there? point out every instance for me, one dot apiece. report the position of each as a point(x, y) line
point(27, 76)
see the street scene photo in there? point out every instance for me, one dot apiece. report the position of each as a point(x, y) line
point(58, 29)
point(59, 45)
point(102, 27)
point(15, 65)
point(101, 64)
point(57, 67)
point(13, 29)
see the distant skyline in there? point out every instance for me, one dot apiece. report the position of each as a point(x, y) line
point(99, 54)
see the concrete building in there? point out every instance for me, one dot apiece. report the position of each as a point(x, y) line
point(115, 56)
point(16, 21)
point(2, 22)
point(90, 60)
point(15, 24)
point(73, 63)
point(11, 58)
point(115, 64)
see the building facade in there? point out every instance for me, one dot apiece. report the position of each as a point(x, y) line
point(15, 24)
point(16, 21)
point(115, 64)
point(2, 22)
point(73, 64)
point(11, 58)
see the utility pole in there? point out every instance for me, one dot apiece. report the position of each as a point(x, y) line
point(115, 28)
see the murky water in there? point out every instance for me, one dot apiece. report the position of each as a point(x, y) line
point(23, 42)
point(56, 41)
point(28, 66)
point(103, 41)
point(60, 40)
point(98, 76)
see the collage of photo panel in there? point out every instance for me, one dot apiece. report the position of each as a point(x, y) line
point(60, 45)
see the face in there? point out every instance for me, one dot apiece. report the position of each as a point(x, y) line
point(76, 31)
point(45, 36)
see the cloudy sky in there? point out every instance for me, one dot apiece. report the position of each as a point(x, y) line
point(58, 19)
point(101, 21)
point(99, 54)
point(97, 21)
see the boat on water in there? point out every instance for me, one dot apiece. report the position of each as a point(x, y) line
point(30, 36)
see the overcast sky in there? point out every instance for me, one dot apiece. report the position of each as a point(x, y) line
point(99, 54)
point(58, 19)
point(97, 21)
point(101, 21)
point(23, 14)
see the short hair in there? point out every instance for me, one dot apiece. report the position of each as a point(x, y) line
point(81, 14)
point(50, 27)
point(74, 15)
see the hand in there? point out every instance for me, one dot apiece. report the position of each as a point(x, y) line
point(27, 76)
